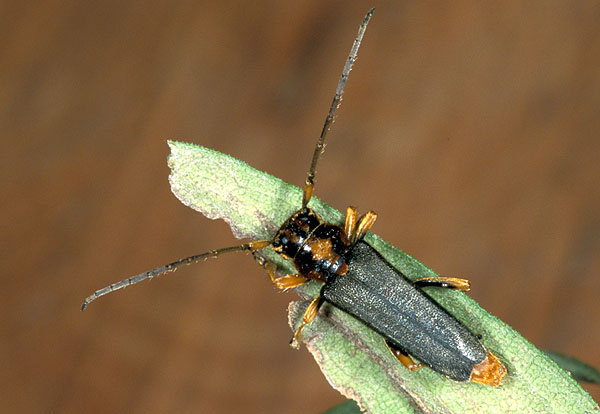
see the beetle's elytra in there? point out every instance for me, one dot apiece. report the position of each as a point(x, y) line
point(358, 280)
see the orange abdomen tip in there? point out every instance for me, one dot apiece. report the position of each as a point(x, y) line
point(490, 371)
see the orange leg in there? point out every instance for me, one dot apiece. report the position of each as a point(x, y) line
point(285, 282)
point(289, 281)
point(350, 224)
point(309, 316)
point(403, 357)
point(446, 282)
point(356, 229)
point(364, 224)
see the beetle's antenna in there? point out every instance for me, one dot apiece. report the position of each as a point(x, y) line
point(337, 99)
point(171, 267)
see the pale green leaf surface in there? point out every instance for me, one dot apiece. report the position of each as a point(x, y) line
point(353, 358)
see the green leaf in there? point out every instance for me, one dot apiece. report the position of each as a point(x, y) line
point(579, 370)
point(353, 358)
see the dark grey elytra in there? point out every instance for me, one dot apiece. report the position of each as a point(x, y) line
point(376, 293)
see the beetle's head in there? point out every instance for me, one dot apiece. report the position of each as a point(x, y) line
point(294, 232)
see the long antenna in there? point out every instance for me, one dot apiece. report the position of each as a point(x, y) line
point(259, 244)
point(337, 99)
point(171, 267)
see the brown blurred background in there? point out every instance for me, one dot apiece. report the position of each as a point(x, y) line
point(471, 129)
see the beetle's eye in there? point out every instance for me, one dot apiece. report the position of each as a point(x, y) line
point(280, 241)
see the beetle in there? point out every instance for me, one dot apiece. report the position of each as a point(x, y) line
point(358, 280)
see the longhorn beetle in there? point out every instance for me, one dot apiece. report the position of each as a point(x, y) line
point(358, 280)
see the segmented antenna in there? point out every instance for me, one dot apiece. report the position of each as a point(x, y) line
point(337, 99)
point(260, 244)
point(171, 267)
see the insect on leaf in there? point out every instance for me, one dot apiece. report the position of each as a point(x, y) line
point(353, 358)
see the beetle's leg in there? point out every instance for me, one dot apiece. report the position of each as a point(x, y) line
point(446, 282)
point(355, 230)
point(364, 224)
point(309, 316)
point(350, 224)
point(284, 283)
point(289, 281)
point(403, 357)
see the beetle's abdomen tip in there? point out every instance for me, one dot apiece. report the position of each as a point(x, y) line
point(490, 371)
